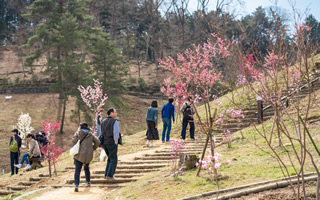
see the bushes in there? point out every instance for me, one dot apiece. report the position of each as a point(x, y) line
point(142, 83)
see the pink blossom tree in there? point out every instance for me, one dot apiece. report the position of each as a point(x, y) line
point(194, 75)
point(277, 84)
point(51, 151)
point(176, 151)
point(94, 98)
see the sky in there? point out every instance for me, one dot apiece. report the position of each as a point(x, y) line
point(249, 6)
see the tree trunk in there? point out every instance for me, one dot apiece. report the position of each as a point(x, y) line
point(318, 188)
point(63, 115)
point(49, 167)
point(202, 156)
point(212, 145)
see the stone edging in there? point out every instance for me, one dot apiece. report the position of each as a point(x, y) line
point(270, 182)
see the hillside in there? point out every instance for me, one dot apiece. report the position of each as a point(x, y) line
point(42, 106)
point(11, 60)
point(244, 154)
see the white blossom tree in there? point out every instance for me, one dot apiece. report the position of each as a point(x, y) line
point(24, 127)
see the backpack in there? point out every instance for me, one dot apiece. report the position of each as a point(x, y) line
point(14, 145)
point(187, 113)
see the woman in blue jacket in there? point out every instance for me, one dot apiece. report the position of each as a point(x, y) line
point(152, 122)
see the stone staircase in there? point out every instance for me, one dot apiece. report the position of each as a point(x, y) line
point(24, 185)
point(251, 115)
point(131, 171)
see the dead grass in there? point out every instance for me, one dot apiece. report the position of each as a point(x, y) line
point(250, 164)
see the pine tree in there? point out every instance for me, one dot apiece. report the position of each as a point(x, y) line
point(108, 66)
point(63, 35)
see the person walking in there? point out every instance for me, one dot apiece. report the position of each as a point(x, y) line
point(167, 112)
point(34, 152)
point(14, 145)
point(187, 112)
point(110, 133)
point(88, 143)
point(98, 123)
point(152, 123)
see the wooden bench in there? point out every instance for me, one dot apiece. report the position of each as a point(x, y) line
point(36, 162)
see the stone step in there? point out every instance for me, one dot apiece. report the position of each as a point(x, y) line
point(142, 162)
point(195, 150)
point(187, 149)
point(267, 112)
point(27, 183)
point(140, 166)
point(168, 154)
point(153, 158)
point(6, 192)
point(109, 186)
point(117, 176)
point(36, 178)
point(17, 188)
point(105, 181)
point(235, 125)
point(69, 168)
point(129, 171)
point(233, 130)
point(43, 175)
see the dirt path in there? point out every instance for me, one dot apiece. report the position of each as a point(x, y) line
point(68, 193)
point(85, 193)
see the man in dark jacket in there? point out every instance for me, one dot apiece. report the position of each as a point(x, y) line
point(14, 156)
point(110, 132)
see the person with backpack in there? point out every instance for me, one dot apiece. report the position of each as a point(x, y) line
point(14, 145)
point(152, 123)
point(187, 112)
point(88, 143)
point(34, 152)
point(167, 112)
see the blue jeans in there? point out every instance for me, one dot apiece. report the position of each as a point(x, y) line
point(111, 151)
point(98, 129)
point(78, 165)
point(184, 128)
point(26, 158)
point(166, 125)
point(14, 159)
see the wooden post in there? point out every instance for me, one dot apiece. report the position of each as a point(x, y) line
point(260, 109)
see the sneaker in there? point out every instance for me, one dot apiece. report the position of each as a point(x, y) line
point(76, 189)
point(112, 178)
point(27, 167)
point(150, 145)
point(18, 165)
point(88, 185)
point(147, 142)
